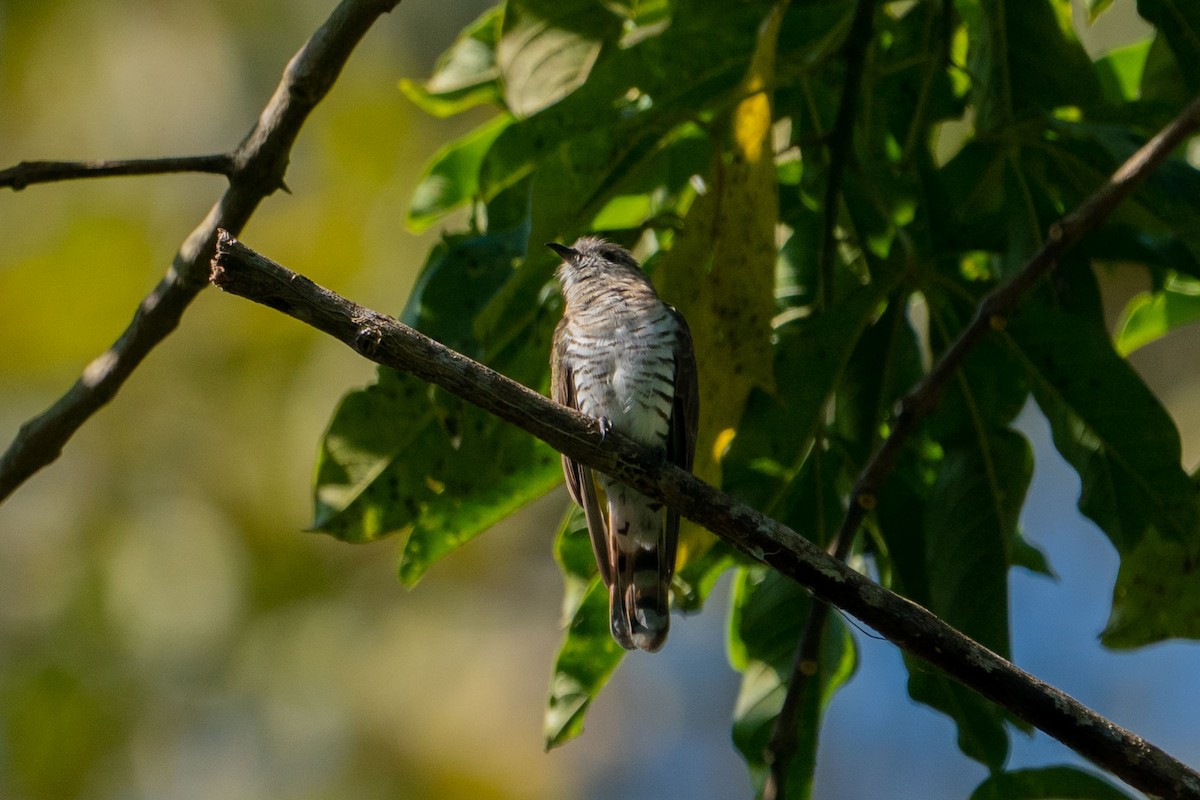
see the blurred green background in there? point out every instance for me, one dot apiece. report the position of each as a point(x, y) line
point(166, 628)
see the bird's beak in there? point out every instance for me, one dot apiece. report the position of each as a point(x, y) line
point(567, 253)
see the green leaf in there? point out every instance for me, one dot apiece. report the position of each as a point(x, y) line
point(885, 364)
point(1157, 594)
point(656, 187)
point(1118, 437)
point(466, 74)
point(548, 49)
point(1179, 22)
point(588, 655)
point(1047, 783)
point(1012, 81)
point(968, 537)
point(451, 179)
point(777, 430)
point(1121, 70)
point(399, 455)
point(1109, 426)
point(767, 619)
point(1151, 315)
point(695, 578)
point(970, 521)
point(1165, 89)
point(631, 100)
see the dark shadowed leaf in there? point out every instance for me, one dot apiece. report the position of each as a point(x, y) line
point(1047, 783)
point(588, 655)
point(768, 617)
point(1125, 447)
point(1109, 426)
point(401, 456)
point(1179, 22)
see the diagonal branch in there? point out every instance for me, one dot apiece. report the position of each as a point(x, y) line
point(380, 338)
point(924, 398)
point(257, 168)
point(30, 172)
point(1001, 302)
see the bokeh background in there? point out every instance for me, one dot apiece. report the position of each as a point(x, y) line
point(167, 629)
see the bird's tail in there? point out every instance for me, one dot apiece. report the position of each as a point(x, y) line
point(639, 595)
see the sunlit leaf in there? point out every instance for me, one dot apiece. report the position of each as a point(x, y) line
point(1121, 69)
point(451, 179)
point(466, 75)
point(1152, 315)
point(548, 48)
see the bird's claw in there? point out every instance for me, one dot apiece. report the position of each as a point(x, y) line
point(605, 425)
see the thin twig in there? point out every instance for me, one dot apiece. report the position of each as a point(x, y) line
point(782, 745)
point(259, 163)
point(1001, 302)
point(841, 139)
point(380, 338)
point(30, 172)
point(806, 664)
point(919, 402)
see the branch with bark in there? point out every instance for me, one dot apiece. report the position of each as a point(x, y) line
point(255, 169)
point(239, 270)
point(922, 399)
point(28, 173)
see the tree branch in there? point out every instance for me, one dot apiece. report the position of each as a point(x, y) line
point(782, 745)
point(256, 169)
point(30, 172)
point(919, 402)
point(1000, 303)
point(380, 338)
point(923, 399)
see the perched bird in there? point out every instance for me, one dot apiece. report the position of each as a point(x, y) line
point(624, 357)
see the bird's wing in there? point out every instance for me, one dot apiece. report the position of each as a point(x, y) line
point(685, 418)
point(581, 484)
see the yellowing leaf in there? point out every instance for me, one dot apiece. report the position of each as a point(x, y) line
point(721, 271)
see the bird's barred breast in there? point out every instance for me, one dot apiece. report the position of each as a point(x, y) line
point(624, 370)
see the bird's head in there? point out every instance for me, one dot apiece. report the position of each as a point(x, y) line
point(592, 257)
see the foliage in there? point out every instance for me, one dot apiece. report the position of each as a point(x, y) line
point(700, 134)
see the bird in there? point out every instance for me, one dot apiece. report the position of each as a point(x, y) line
point(625, 358)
